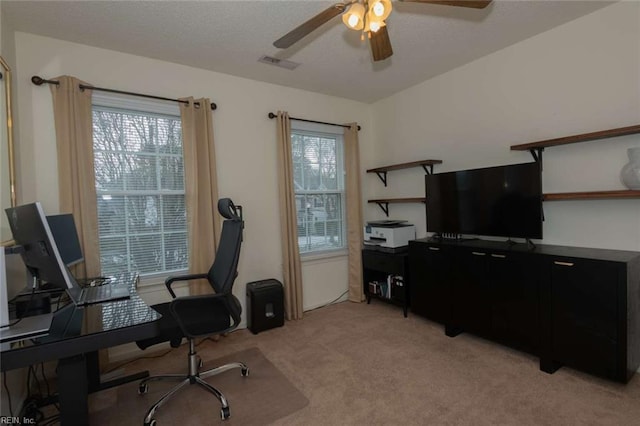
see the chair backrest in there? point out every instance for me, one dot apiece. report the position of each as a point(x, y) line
point(224, 270)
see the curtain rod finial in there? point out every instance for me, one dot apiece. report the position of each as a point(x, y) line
point(37, 80)
point(272, 115)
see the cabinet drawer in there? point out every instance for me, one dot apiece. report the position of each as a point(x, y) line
point(383, 262)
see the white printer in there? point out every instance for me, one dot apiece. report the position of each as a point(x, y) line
point(389, 233)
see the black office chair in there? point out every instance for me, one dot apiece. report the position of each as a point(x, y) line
point(204, 315)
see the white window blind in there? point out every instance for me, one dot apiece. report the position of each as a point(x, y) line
point(318, 163)
point(139, 173)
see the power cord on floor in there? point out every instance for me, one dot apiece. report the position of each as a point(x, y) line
point(329, 303)
point(31, 405)
point(6, 388)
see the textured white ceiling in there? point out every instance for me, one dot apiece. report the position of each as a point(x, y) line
point(230, 36)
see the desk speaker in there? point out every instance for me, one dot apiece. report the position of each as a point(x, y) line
point(265, 305)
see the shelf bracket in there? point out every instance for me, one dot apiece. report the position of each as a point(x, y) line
point(383, 177)
point(428, 170)
point(536, 153)
point(384, 207)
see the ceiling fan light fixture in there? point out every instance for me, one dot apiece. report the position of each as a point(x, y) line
point(380, 9)
point(373, 23)
point(354, 17)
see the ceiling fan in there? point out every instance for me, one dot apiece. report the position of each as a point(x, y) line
point(367, 16)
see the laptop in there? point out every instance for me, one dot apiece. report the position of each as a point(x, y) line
point(33, 326)
point(63, 230)
point(83, 296)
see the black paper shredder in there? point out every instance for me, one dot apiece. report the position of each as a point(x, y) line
point(265, 305)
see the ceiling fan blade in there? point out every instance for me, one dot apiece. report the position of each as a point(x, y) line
point(380, 44)
point(298, 33)
point(476, 4)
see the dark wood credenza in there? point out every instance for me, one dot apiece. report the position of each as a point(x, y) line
point(572, 306)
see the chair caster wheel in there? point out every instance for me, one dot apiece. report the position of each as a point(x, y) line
point(244, 372)
point(224, 413)
point(151, 423)
point(142, 389)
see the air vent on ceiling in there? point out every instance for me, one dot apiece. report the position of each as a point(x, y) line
point(282, 63)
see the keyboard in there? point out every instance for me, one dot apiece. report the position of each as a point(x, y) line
point(102, 293)
point(94, 281)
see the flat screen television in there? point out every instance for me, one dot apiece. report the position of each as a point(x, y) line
point(503, 201)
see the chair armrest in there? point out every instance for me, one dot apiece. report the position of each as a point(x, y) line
point(169, 281)
point(207, 314)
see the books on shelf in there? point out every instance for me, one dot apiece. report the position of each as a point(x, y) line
point(384, 288)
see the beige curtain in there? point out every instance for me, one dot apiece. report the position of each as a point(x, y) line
point(292, 270)
point(72, 113)
point(76, 176)
point(354, 212)
point(201, 188)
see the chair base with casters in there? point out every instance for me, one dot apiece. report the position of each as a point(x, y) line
point(194, 377)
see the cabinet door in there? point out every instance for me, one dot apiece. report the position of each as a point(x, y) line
point(584, 314)
point(471, 297)
point(430, 290)
point(514, 283)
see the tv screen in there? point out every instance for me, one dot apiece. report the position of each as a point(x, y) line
point(503, 201)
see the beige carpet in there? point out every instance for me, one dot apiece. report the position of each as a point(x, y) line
point(360, 364)
point(260, 398)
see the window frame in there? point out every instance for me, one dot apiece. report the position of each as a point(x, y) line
point(322, 130)
point(120, 102)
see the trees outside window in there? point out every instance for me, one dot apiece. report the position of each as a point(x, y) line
point(318, 164)
point(139, 173)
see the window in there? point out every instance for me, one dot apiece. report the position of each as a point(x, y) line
point(140, 186)
point(318, 169)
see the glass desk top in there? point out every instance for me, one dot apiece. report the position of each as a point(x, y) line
point(77, 330)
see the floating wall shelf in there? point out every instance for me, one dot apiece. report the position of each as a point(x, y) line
point(427, 165)
point(594, 195)
point(383, 203)
point(536, 148)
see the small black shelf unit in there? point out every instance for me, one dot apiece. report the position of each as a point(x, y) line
point(385, 276)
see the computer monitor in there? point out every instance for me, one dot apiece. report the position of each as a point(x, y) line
point(63, 228)
point(40, 253)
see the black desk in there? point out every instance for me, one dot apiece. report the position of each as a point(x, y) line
point(78, 374)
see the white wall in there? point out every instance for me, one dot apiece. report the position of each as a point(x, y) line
point(245, 141)
point(577, 78)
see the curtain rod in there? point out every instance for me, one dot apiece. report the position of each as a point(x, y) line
point(39, 81)
point(272, 116)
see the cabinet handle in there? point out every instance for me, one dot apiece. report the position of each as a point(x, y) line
point(499, 256)
point(563, 263)
point(434, 248)
point(477, 253)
